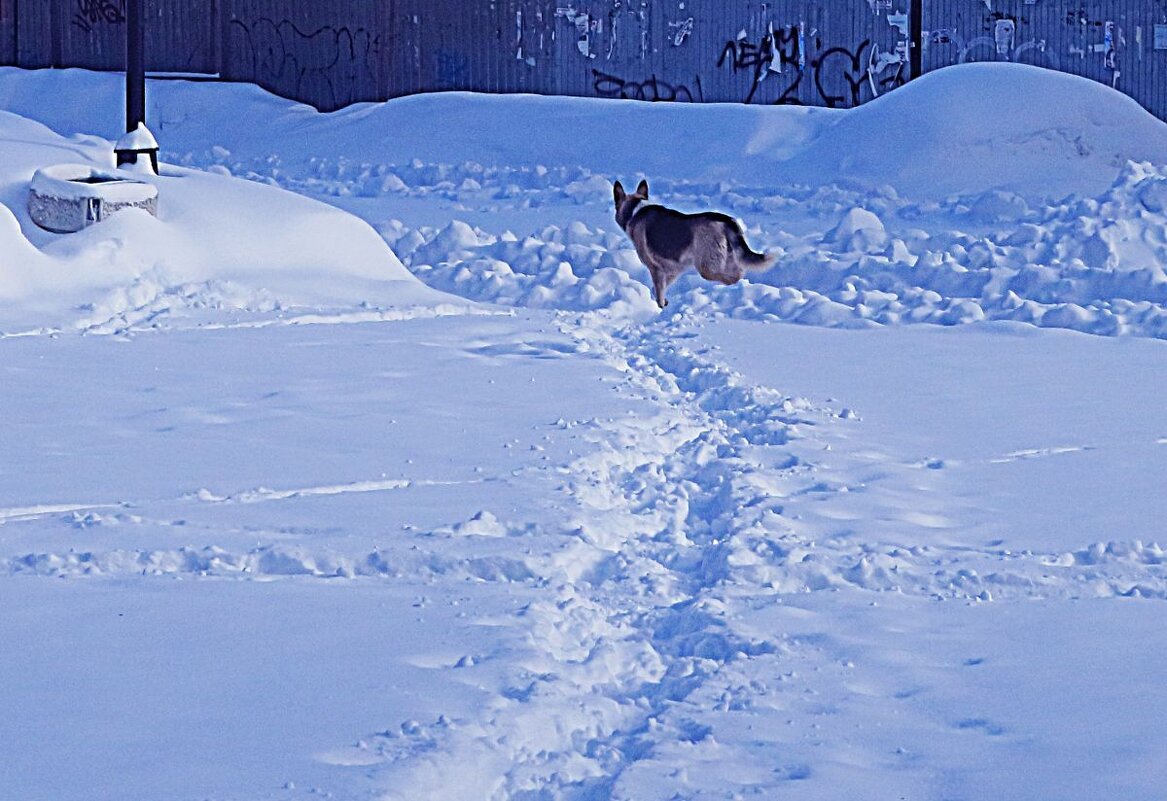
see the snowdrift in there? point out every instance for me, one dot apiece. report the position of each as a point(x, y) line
point(218, 242)
point(965, 129)
point(979, 127)
point(980, 192)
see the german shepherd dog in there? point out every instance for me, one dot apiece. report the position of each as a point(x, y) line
point(669, 242)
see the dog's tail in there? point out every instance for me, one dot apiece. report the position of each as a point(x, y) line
point(750, 259)
point(759, 261)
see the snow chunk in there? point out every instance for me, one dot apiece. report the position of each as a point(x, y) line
point(858, 230)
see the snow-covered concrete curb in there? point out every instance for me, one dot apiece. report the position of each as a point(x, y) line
point(64, 198)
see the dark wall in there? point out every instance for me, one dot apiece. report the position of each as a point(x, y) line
point(181, 36)
point(328, 54)
point(1110, 41)
point(778, 52)
point(788, 51)
point(7, 31)
point(833, 52)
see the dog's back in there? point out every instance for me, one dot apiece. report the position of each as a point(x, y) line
point(706, 238)
point(669, 242)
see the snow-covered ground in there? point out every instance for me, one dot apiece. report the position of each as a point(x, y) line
point(398, 486)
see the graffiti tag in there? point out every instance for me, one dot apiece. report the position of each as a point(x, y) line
point(840, 68)
point(778, 49)
point(651, 89)
point(94, 12)
point(328, 64)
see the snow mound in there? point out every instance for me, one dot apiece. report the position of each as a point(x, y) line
point(276, 249)
point(1093, 265)
point(579, 269)
point(966, 129)
point(859, 229)
point(861, 238)
point(976, 127)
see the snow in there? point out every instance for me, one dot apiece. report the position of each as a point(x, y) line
point(249, 246)
point(140, 139)
point(369, 469)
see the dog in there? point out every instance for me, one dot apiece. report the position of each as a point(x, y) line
point(669, 242)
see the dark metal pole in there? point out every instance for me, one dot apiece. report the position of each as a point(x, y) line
point(135, 66)
point(916, 47)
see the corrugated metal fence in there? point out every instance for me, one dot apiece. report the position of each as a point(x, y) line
point(838, 53)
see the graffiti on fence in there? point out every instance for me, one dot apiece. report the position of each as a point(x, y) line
point(683, 31)
point(834, 54)
point(839, 63)
point(842, 62)
point(1036, 52)
point(586, 27)
point(331, 65)
point(91, 13)
point(651, 88)
point(840, 74)
point(778, 49)
point(942, 36)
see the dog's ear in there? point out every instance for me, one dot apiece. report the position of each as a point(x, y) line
point(642, 189)
point(618, 193)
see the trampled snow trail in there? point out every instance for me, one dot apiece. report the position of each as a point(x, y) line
point(642, 660)
point(632, 621)
point(645, 564)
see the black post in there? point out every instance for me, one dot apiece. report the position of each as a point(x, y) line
point(916, 47)
point(135, 66)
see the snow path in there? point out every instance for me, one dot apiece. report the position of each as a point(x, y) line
point(676, 522)
point(660, 567)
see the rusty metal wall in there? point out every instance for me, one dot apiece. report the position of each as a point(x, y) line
point(441, 45)
point(180, 36)
point(782, 51)
point(7, 31)
point(90, 35)
point(835, 53)
point(327, 54)
point(787, 51)
point(1121, 43)
point(32, 35)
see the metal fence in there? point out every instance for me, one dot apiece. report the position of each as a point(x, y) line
point(836, 53)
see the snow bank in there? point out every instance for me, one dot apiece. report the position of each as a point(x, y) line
point(1089, 264)
point(574, 269)
point(964, 129)
point(976, 127)
point(218, 241)
point(916, 208)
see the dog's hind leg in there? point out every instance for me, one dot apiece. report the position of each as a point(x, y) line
point(715, 261)
point(662, 278)
point(660, 283)
point(722, 276)
point(721, 267)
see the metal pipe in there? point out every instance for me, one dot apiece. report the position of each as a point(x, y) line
point(916, 45)
point(135, 65)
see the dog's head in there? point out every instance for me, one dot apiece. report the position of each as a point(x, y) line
point(625, 203)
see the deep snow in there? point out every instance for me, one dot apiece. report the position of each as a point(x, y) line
point(289, 509)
